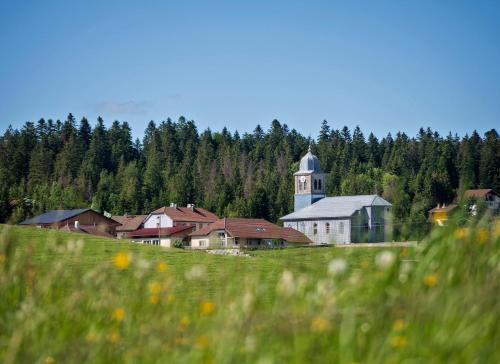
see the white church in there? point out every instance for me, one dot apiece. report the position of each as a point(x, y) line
point(334, 220)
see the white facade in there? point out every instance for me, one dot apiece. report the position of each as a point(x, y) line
point(328, 231)
point(165, 242)
point(153, 219)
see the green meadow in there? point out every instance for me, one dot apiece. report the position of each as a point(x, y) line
point(70, 298)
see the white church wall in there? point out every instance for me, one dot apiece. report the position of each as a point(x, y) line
point(331, 231)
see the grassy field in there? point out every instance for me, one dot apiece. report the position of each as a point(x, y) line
point(69, 298)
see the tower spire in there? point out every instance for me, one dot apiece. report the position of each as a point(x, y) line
point(309, 149)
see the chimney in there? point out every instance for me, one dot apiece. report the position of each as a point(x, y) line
point(191, 206)
point(172, 204)
point(77, 224)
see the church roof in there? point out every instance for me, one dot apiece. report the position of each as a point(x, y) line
point(335, 207)
point(309, 163)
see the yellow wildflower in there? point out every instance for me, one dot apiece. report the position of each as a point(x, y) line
point(430, 280)
point(161, 267)
point(206, 308)
point(114, 337)
point(122, 260)
point(398, 325)
point(319, 324)
point(184, 321)
point(482, 235)
point(404, 252)
point(153, 299)
point(497, 228)
point(92, 337)
point(398, 341)
point(49, 360)
point(2, 258)
point(460, 233)
point(171, 297)
point(179, 340)
point(201, 342)
point(365, 263)
point(154, 287)
point(119, 314)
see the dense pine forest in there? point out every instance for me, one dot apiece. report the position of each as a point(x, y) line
point(47, 165)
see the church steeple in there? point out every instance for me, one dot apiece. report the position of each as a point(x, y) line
point(309, 182)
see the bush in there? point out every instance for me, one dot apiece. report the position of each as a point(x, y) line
point(178, 244)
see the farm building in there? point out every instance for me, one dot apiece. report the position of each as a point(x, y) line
point(486, 195)
point(164, 237)
point(167, 217)
point(441, 213)
point(77, 220)
point(128, 223)
point(241, 232)
point(334, 220)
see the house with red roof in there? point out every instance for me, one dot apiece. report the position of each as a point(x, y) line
point(164, 237)
point(486, 195)
point(249, 233)
point(128, 223)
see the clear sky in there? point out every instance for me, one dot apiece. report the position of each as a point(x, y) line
point(383, 65)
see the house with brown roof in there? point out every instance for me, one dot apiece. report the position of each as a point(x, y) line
point(164, 237)
point(128, 223)
point(249, 233)
point(171, 216)
point(486, 195)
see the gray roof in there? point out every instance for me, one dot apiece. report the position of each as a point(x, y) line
point(51, 217)
point(309, 163)
point(335, 207)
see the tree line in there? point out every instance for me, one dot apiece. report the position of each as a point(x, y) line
point(69, 164)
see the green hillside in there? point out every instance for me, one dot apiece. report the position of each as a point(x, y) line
point(68, 298)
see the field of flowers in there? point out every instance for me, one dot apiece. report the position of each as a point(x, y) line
point(69, 298)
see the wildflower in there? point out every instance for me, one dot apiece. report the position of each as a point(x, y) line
point(404, 252)
point(482, 235)
point(286, 284)
point(92, 337)
point(154, 287)
point(248, 300)
point(122, 260)
point(153, 299)
point(119, 314)
point(365, 263)
point(319, 324)
point(2, 258)
point(337, 266)
point(161, 267)
point(196, 272)
point(201, 342)
point(206, 308)
point(460, 233)
point(398, 341)
point(384, 259)
point(114, 337)
point(179, 340)
point(171, 297)
point(184, 321)
point(430, 280)
point(49, 360)
point(398, 325)
point(497, 228)
point(250, 344)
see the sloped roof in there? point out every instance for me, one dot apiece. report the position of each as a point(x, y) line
point(446, 208)
point(51, 217)
point(253, 229)
point(88, 229)
point(129, 222)
point(162, 231)
point(477, 192)
point(335, 207)
point(196, 214)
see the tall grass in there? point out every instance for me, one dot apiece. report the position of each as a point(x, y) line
point(65, 298)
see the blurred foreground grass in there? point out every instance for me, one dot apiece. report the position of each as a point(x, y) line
point(69, 298)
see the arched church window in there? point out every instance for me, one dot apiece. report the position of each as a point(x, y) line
point(315, 229)
point(319, 184)
point(315, 184)
point(305, 185)
point(327, 228)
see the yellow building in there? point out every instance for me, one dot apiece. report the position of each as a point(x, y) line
point(441, 213)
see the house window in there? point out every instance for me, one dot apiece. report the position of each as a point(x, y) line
point(327, 228)
point(305, 185)
point(315, 228)
point(341, 227)
point(319, 184)
point(302, 227)
point(315, 184)
point(202, 242)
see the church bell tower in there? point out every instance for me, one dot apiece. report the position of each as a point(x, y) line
point(309, 182)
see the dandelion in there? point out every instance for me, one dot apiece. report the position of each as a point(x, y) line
point(161, 267)
point(207, 308)
point(153, 299)
point(398, 325)
point(398, 341)
point(286, 285)
point(2, 258)
point(482, 235)
point(122, 260)
point(430, 280)
point(460, 233)
point(184, 321)
point(49, 360)
point(319, 324)
point(384, 259)
point(114, 337)
point(337, 266)
point(119, 314)
point(201, 342)
point(154, 287)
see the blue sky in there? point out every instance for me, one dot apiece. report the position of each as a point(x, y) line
point(383, 65)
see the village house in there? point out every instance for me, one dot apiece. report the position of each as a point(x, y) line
point(486, 195)
point(248, 233)
point(334, 220)
point(164, 237)
point(128, 223)
point(85, 221)
point(441, 213)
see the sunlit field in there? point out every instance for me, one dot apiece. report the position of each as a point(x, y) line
point(69, 298)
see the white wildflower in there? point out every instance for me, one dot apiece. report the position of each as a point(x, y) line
point(286, 285)
point(250, 343)
point(337, 266)
point(385, 259)
point(196, 272)
point(248, 300)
